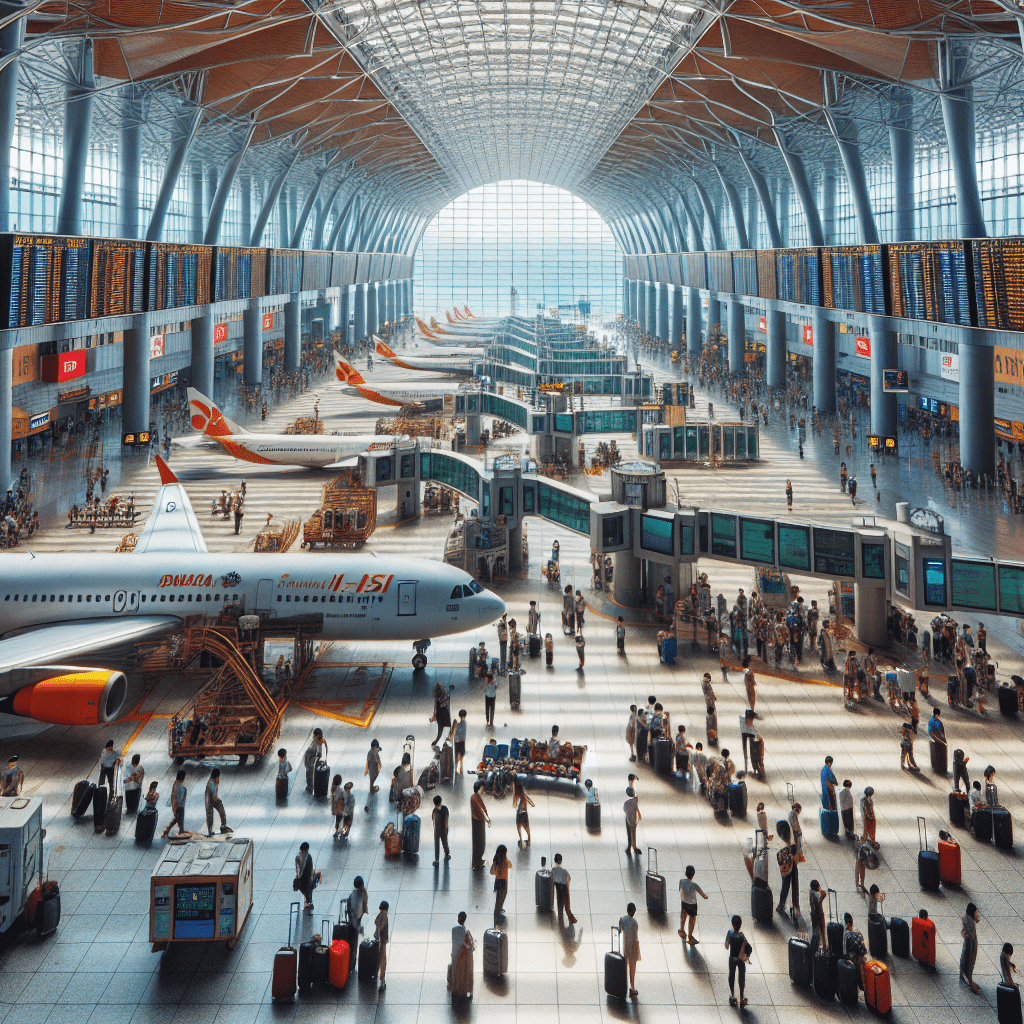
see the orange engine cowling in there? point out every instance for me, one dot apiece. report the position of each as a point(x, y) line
point(76, 697)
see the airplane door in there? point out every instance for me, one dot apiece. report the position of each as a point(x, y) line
point(264, 595)
point(133, 600)
point(125, 601)
point(406, 598)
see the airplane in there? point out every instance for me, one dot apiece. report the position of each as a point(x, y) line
point(313, 451)
point(61, 609)
point(461, 364)
point(398, 393)
point(440, 349)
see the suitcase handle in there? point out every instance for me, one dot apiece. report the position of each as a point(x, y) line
point(616, 940)
point(652, 860)
point(758, 847)
point(833, 897)
point(922, 832)
point(343, 910)
point(293, 909)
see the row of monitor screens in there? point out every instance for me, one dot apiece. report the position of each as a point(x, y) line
point(982, 586)
point(766, 542)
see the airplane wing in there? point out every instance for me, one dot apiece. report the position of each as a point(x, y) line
point(351, 461)
point(53, 644)
point(193, 441)
point(172, 525)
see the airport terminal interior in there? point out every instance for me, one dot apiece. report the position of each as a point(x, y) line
point(631, 396)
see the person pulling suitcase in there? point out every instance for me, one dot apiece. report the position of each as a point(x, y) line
point(380, 924)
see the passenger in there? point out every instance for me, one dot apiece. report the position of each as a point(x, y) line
point(372, 769)
point(109, 760)
point(314, 753)
point(214, 803)
point(337, 804)
point(179, 793)
point(13, 779)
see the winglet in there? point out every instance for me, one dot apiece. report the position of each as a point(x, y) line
point(166, 476)
point(206, 417)
point(345, 373)
point(383, 349)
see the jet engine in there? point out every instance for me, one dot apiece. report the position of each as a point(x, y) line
point(59, 695)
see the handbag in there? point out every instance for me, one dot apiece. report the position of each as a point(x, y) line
point(295, 884)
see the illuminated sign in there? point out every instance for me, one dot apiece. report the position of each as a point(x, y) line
point(66, 366)
point(808, 334)
point(949, 368)
point(135, 439)
point(896, 381)
point(762, 324)
point(268, 321)
point(156, 346)
point(39, 420)
point(220, 333)
point(862, 346)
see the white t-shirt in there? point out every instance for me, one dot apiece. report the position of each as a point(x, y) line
point(845, 800)
point(559, 875)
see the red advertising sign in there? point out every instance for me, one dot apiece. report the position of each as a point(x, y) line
point(66, 366)
point(220, 333)
point(268, 321)
point(762, 324)
point(808, 334)
point(156, 346)
point(862, 346)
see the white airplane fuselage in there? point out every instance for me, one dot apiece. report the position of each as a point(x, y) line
point(401, 394)
point(313, 451)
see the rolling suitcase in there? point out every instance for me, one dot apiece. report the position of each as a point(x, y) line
point(515, 690)
point(846, 982)
point(877, 987)
point(145, 825)
point(923, 936)
point(495, 952)
point(878, 939)
point(99, 808)
point(615, 978)
point(305, 971)
point(286, 962)
point(281, 787)
point(834, 930)
point(321, 968)
point(369, 959)
point(958, 809)
point(1008, 1003)
point(981, 824)
point(657, 896)
point(760, 892)
point(447, 763)
point(411, 835)
point(801, 969)
point(543, 887)
point(112, 819)
point(321, 779)
point(1007, 700)
point(738, 799)
point(940, 760)
point(829, 822)
point(1002, 828)
point(900, 932)
point(340, 962)
point(949, 860)
point(593, 810)
point(662, 755)
point(81, 798)
point(46, 914)
point(927, 860)
point(824, 974)
point(534, 649)
point(343, 928)
point(131, 800)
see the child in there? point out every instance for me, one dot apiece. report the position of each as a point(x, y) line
point(762, 821)
point(875, 899)
point(549, 649)
point(620, 635)
point(284, 766)
point(1007, 968)
point(711, 725)
point(846, 808)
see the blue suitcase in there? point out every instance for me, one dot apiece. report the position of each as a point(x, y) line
point(491, 752)
point(515, 748)
point(502, 750)
point(829, 821)
point(411, 835)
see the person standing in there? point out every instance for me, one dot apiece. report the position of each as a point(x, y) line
point(314, 752)
point(580, 644)
point(906, 735)
point(789, 495)
point(480, 820)
point(348, 809)
point(502, 642)
point(818, 932)
point(846, 808)
point(133, 776)
point(214, 803)
point(460, 973)
point(689, 890)
point(458, 735)
point(631, 808)
point(305, 876)
point(358, 904)
point(631, 727)
point(109, 760)
point(439, 818)
point(568, 612)
point(828, 786)
point(787, 858)
point(380, 924)
point(581, 607)
point(500, 867)
point(1007, 968)
point(629, 932)
point(13, 779)
point(620, 635)
point(373, 770)
point(490, 696)
point(960, 771)
point(750, 684)
point(969, 951)
point(533, 619)
point(337, 804)
point(179, 793)
point(521, 802)
point(736, 943)
point(867, 813)
point(443, 707)
point(853, 490)
point(561, 879)
point(747, 733)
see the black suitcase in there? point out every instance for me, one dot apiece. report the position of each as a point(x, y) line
point(322, 963)
point(305, 978)
point(47, 915)
point(472, 661)
point(824, 970)
point(761, 902)
point(928, 870)
point(981, 824)
point(543, 887)
point(321, 779)
point(834, 930)
point(615, 979)
point(1008, 1003)
point(662, 755)
point(738, 799)
point(112, 819)
point(939, 755)
point(131, 800)
point(958, 809)
point(1002, 828)
point(369, 959)
point(145, 825)
point(801, 970)
point(344, 930)
point(534, 645)
point(657, 893)
point(593, 814)
point(846, 983)
point(81, 798)
point(878, 939)
point(515, 690)
point(1007, 701)
point(281, 787)
point(900, 932)
point(99, 808)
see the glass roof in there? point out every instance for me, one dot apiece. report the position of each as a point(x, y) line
point(534, 90)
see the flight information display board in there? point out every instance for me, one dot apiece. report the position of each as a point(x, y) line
point(744, 273)
point(798, 275)
point(999, 282)
point(343, 269)
point(928, 281)
point(973, 584)
point(178, 275)
point(656, 534)
point(934, 581)
point(117, 281)
point(694, 270)
point(1011, 588)
point(766, 286)
point(795, 547)
point(723, 535)
point(872, 559)
point(284, 271)
point(757, 540)
point(852, 277)
point(719, 271)
point(47, 277)
point(195, 911)
point(238, 272)
point(833, 552)
point(316, 271)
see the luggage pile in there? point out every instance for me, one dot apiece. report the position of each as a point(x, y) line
point(530, 757)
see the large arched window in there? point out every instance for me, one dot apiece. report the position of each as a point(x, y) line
point(542, 241)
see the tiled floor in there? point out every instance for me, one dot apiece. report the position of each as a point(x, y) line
point(99, 966)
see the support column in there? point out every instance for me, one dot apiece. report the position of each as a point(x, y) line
point(824, 368)
point(390, 303)
point(283, 238)
point(130, 162)
point(78, 104)
point(847, 139)
point(693, 323)
point(292, 333)
point(196, 199)
point(293, 211)
point(211, 179)
point(135, 376)
point(958, 118)
point(343, 314)
point(737, 335)
point(775, 349)
point(869, 608)
point(252, 345)
point(172, 172)
point(901, 146)
point(245, 194)
point(828, 203)
point(359, 312)
point(977, 409)
point(884, 354)
point(371, 310)
point(798, 175)
point(406, 298)
point(677, 319)
point(634, 301)
point(663, 312)
point(219, 195)
point(202, 354)
point(714, 312)
point(628, 580)
point(652, 309)
point(11, 38)
point(784, 212)
point(6, 413)
point(273, 196)
point(382, 304)
point(625, 300)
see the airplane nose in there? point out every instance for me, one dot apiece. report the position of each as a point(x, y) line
point(493, 608)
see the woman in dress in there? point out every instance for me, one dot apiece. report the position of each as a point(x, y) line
point(500, 867)
point(521, 801)
point(969, 952)
point(460, 973)
point(442, 711)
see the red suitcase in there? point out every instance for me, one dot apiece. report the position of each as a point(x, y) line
point(286, 962)
point(949, 859)
point(340, 962)
point(877, 989)
point(923, 939)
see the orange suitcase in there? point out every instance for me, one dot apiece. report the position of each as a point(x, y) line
point(877, 989)
point(949, 861)
point(339, 962)
point(923, 939)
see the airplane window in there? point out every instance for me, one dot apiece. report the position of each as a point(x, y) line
point(456, 592)
point(15, 597)
point(61, 598)
point(474, 587)
point(306, 597)
point(289, 598)
point(79, 598)
point(279, 597)
point(143, 597)
point(107, 598)
point(34, 596)
point(7, 597)
point(163, 597)
point(181, 597)
point(332, 599)
point(88, 597)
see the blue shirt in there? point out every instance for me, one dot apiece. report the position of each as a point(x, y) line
point(936, 728)
point(827, 775)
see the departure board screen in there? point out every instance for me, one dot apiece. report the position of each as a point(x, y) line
point(47, 277)
point(1011, 589)
point(757, 540)
point(798, 275)
point(656, 534)
point(766, 287)
point(284, 271)
point(723, 535)
point(872, 559)
point(238, 272)
point(833, 552)
point(928, 281)
point(744, 273)
point(694, 270)
point(316, 271)
point(795, 547)
point(973, 584)
point(178, 275)
point(118, 277)
point(719, 266)
point(343, 269)
point(194, 911)
point(999, 282)
point(902, 581)
point(852, 278)
point(934, 581)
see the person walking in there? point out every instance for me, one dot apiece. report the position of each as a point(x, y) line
point(458, 735)
point(380, 925)
point(500, 867)
point(853, 490)
point(13, 779)
point(580, 644)
point(631, 727)
point(747, 734)
point(739, 957)
point(969, 951)
point(580, 608)
point(337, 804)
point(906, 735)
point(214, 803)
point(348, 810)
point(568, 612)
point(633, 818)
point(460, 972)
point(373, 770)
point(443, 707)
point(960, 771)
point(305, 876)
point(689, 890)
point(787, 858)
point(750, 684)
point(629, 932)
point(561, 879)
point(480, 820)
point(620, 635)
point(439, 819)
point(789, 495)
point(503, 642)
point(314, 752)
point(490, 696)
point(109, 760)
point(521, 802)
point(179, 793)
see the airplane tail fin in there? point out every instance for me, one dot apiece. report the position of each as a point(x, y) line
point(424, 328)
point(207, 418)
point(345, 373)
point(472, 316)
point(383, 350)
point(434, 323)
point(447, 314)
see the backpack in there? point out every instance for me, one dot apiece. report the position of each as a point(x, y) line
point(785, 859)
